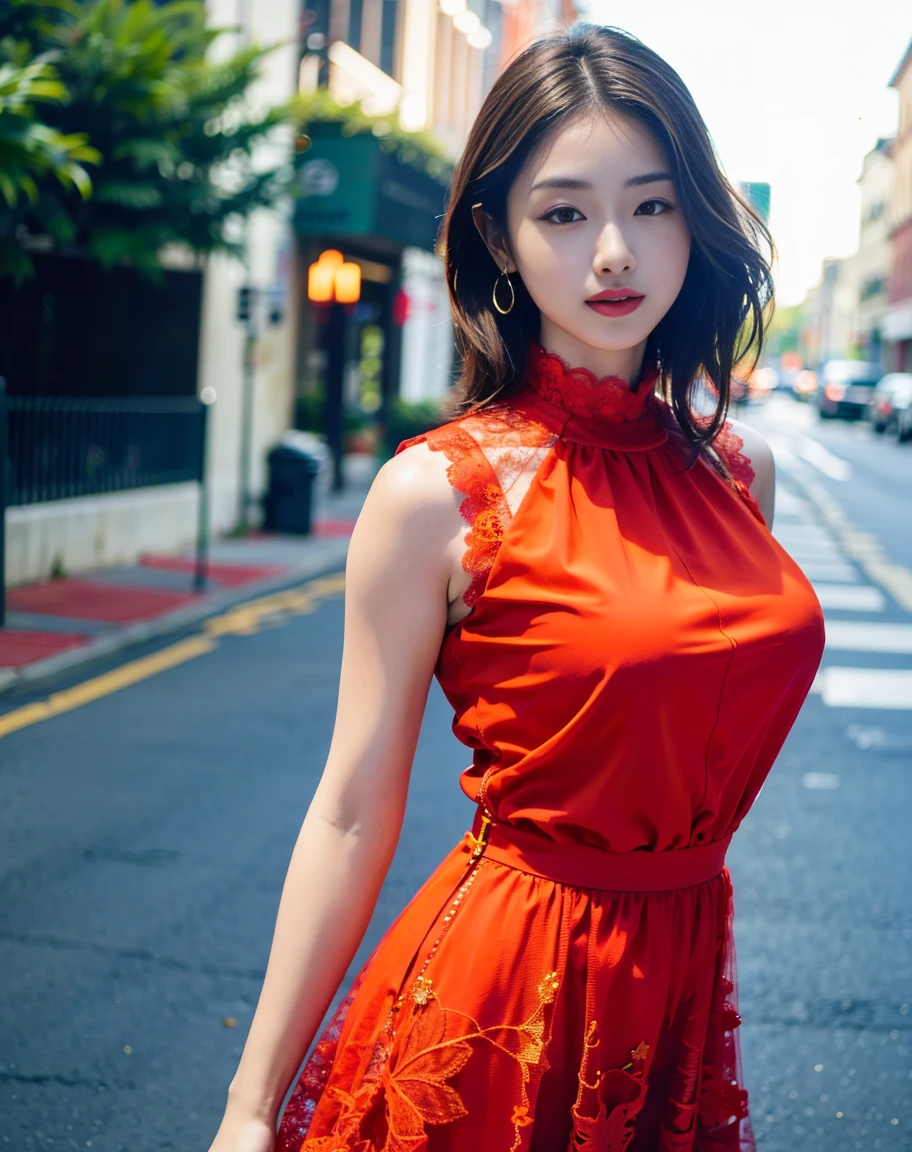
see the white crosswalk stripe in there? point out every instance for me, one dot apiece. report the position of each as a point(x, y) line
point(868, 636)
point(850, 597)
point(841, 687)
point(842, 579)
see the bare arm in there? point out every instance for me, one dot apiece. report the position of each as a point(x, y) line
point(757, 450)
point(395, 613)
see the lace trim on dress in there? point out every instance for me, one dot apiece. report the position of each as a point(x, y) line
point(729, 447)
point(580, 391)
point(490, 453)
point(310, 1086)
point(615, 1096)
point(727, 450)
point(723, 1103)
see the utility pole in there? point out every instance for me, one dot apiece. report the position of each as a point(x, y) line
point(335, 385)
point(247, 315)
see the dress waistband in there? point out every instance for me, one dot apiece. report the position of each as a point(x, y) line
point(587, 866)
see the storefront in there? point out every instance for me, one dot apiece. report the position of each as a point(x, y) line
point(382, 212)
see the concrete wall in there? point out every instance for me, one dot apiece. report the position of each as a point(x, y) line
point(99, 531)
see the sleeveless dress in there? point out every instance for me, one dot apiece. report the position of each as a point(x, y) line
point(637, 649)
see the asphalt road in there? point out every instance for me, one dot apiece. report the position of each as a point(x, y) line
point(147, 829)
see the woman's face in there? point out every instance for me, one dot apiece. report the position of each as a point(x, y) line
point(595, 208)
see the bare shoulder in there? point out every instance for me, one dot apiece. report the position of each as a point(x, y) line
point(758, 454)
point(409, 517)
point(412, 486)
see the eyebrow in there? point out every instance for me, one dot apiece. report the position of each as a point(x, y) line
point(573, 182)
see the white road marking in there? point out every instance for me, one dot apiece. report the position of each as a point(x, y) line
point(825, 780)
point(841, 573)
point(803, 555)
point(788, 504)
point(812, 551)
point(866, 737)
point(868, 636)
point(851, 597)
point(823, 459)
point(783, 455)
point(805, 536)
point(886, 688)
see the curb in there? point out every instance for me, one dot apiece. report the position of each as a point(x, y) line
point(331, 557)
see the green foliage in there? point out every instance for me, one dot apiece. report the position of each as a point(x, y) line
point(313, 110)
point(177, 146)
point(30, 151)
point(407, 419)
point(310, 409)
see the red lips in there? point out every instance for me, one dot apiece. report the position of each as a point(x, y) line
point(614, 294)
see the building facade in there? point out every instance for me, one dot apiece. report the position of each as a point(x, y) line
point(873, 256)
point(897, 321)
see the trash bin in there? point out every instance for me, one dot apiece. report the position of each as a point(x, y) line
point(289, 497)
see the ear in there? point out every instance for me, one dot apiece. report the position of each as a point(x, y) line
point(493, 238)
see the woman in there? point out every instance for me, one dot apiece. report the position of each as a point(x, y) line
point(624, 644)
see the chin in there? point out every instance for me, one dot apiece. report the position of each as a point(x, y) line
point(618, 340)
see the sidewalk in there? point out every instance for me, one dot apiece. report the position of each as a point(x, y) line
point(57, 625)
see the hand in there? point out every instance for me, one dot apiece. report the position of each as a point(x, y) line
point(243, 1132)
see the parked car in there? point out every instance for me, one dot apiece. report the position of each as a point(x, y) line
point(893, 393)
point(904, 423)
point(845, 387)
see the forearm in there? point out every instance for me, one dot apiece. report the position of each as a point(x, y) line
point(330, 891)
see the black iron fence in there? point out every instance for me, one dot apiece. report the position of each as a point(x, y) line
point(60, 448)
point(56, 448)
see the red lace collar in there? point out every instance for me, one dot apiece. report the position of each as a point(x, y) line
point(581, 392)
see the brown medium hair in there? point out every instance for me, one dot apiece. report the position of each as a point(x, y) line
point(718, 316)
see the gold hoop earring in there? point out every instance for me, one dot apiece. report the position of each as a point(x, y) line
point(503, 311)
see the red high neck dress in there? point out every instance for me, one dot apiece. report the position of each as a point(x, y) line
point(637, 649)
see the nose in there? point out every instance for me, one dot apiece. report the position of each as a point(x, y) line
point(613, 253)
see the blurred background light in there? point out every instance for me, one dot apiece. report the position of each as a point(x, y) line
point(466, 21)
point(479, 38)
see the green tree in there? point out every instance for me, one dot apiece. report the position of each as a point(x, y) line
point(29, 149)
point(177, 144)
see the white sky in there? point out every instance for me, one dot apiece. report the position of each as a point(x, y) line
point(794, 92)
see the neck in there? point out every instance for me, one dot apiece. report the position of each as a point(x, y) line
point(624, 363)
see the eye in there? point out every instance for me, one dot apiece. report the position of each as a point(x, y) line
point(663, 207)
point(564, 208)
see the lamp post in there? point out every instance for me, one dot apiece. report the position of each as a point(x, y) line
point(247, 304)
point(335, 282)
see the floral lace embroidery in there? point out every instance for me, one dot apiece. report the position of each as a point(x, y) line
point(489, 451)
point(608, 1100)
point(729, 446)
point(405, 1088)
point(310, 1087)
point(580, 391)
point(729, 459)
point(723, 1103)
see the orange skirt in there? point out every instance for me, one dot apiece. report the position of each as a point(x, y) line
point(513, 1008)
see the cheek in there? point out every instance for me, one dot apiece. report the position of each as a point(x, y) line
point(677, 251)
point(546, 266)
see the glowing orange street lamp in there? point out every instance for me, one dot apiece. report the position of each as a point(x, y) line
point(334, 281)
point(348, 283)
point(333, 278)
